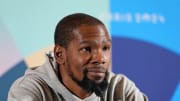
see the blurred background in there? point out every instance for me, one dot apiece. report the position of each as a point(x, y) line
point(145, 34)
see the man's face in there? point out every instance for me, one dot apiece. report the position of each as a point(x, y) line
point(89, 54)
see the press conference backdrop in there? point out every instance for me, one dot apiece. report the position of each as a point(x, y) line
point(145, 34)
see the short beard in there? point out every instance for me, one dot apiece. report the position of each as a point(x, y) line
point(90, 85)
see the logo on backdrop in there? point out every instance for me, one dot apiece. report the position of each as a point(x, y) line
point(138, 18)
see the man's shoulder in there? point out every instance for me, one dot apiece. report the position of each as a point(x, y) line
point(117, 79)
point(28, 86)
point(117, 76)
point(27, 80)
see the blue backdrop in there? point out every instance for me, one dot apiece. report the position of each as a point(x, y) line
point(146, 45)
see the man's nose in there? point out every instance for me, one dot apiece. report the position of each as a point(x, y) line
point(98, 57)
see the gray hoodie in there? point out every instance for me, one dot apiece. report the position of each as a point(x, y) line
point(42, 84)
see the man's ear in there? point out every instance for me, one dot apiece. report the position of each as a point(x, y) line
point(59, 54)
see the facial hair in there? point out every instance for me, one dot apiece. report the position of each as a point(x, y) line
point(90, 85)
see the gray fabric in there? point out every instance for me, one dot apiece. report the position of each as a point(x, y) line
point(42, 84)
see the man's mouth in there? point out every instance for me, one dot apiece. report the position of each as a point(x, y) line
point(96, 72)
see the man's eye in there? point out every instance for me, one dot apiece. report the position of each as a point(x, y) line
point(106, 48)
point(87, 49)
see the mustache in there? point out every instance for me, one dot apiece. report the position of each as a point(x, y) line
point(98, 69)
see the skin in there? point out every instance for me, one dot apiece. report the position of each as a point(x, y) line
point(90, 49)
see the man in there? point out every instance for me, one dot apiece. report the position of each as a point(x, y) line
point(78, 69)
